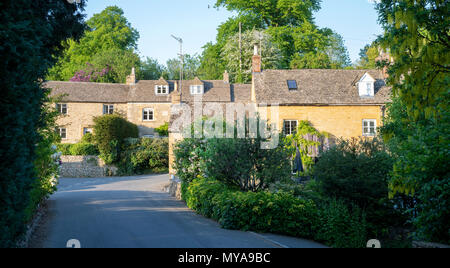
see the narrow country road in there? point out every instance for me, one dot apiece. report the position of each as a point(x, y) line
point(134, 212)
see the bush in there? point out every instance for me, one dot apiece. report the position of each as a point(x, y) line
point(282, 213)
point(78, 149)
point(357, 172)
point(145, 155)
point(340, 226)
point(243, 163)
point(110, 132)
point(163, 130)
point(188, 159)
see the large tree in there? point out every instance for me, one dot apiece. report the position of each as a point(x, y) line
point(109, 33)
point(190, 68)
point(31, 32)
point(417, 130)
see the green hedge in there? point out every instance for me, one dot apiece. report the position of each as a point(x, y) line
point(78, 149)
point(330, 222)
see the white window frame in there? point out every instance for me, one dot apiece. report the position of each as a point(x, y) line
point(197, 89)
point(164, 90)
point(108, 109)
point(148, 110)
point(290, 127)
point(368, 127)
point(60, 131)
point(60, 107)
point(369, 88)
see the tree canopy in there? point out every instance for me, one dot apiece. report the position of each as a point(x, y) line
point(109, 37)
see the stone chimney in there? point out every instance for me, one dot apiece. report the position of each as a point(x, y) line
point(226, 77)
point(256, 61)
point(131, 79)
point(386, 57)
point(176, 94)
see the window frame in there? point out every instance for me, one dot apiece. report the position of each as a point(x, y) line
point(197, 87)
point(108, 109)
point(289, 85)
point(290, 127)
point(86, 132)
point(60, 131)
point(60, 108)
point(163, 88)
point(369, 133)
point(148, 110)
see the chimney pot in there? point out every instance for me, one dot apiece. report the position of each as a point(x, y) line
point(226, 77)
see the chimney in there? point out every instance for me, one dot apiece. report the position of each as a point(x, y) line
point(226, 77)
point(131, 79)
point(256, 61)
point(176, 94)
point(385, 57)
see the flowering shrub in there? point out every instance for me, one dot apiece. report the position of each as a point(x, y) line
point(90, 74)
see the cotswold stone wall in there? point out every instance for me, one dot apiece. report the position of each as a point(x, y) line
point(85, 167)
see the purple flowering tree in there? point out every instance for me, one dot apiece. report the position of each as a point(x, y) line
point(91, 74)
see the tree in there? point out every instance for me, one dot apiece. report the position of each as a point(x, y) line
point(190, 68)
point(109, 32)
point(151, 69)
point(212, 65)
point(231, 54)
point(31, 35)
point(417, 128)
point(368, 57)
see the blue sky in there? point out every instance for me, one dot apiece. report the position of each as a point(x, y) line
point(156, 20)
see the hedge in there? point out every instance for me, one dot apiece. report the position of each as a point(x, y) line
point(282, 213)
point(78, 149)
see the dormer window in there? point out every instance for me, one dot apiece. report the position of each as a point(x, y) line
point(197, 89)
point(292, 84)
point(161, 90)
point(366, 86)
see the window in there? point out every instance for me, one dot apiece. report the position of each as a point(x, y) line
point(369, 87)
point(61, 108)
point(161, 90)
point(108, 109)
point(148, 114)
point(62, 133)
point(197, 89)
point(290, 127)
point(292, 84)
point(87, 130)
point(369, 127)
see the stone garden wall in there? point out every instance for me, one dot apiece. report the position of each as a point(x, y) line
point(85, 167)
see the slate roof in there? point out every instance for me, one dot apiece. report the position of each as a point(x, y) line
point(318, 87)
point(241, 93)
point(89, 92)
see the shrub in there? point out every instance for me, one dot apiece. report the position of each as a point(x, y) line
point(110, 131)
point(340, 226)
point(83, 149)
point(64, 148)
point(188, 159)
point(243, 163)
point(163, 130)
point(88, 138)
point(282, 213)
point(356, 172)
point(145, 155)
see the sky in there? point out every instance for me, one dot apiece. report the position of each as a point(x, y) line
point(196, 22)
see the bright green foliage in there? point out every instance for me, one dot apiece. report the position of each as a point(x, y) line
point(31, 33)
point(300, 140)
point(212, 66)
point(357, 172)
point(190, 68)
point(120, 63)
point(163, 130)
point(418, 38)
point(243, 163)
point(417, 129)
point(275, 12)
point(368, 56)
point(281, 213)
point(109, 35)
point(271, 55)
point(144, 156)
point(110, 132)
point(188, 159)
point(81, 148)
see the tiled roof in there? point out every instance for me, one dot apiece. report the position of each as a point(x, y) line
point(241, 92)
point(318, 87)
point(89, 92)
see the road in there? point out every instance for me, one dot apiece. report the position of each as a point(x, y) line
point(134, 212)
